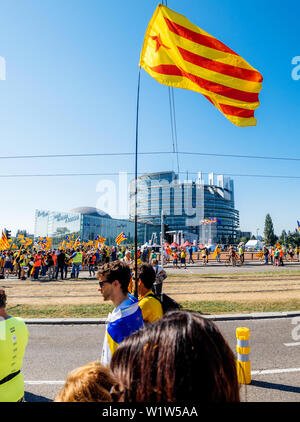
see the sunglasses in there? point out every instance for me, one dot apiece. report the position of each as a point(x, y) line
point(104, 281)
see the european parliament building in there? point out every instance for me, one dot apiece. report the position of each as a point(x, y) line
point(187, 206)
point(88, 223)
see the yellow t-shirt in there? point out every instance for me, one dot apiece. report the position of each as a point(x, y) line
point(13, 341)
point(151, 308)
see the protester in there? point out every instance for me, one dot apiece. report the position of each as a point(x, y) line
point(204, 255)
point(77, 259)
point(241, 254)
point(276, 257)
point(266, 254)
point(13, 342)
point(297, 249)
point(191, 255)
point(127, 258)
point(61, 257)
point(92, 264)
point(89, 383)
point(180, 357)
point(8, 266)
point(126, 318)
point(160, 276)
point(23, 265)
point(37, 265)
point(150, 306)
point(175, 259)
point(232, 256)
point(183, 258)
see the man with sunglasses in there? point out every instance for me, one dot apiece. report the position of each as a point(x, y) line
point(126, 317)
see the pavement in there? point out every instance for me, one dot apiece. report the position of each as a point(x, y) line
point(221, 317)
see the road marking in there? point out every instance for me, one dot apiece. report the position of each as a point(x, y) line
point(292, 344)
point(44, 382)
point(261, 372)
point(274, 371)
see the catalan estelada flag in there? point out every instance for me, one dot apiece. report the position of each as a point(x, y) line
point(122, 236)
point(4, 241)
point(100, 239)
point(179, 54)
point(298, 223)
point(123, 321)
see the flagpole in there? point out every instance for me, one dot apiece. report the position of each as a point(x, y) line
point(136, 175)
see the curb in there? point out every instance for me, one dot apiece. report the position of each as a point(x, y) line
point(224, 317)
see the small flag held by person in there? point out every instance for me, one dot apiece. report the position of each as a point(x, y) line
point(179, 54)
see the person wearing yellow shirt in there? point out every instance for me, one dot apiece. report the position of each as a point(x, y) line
point(297, 249)
point(150, 306)
point(183, 258)
point(13, 341)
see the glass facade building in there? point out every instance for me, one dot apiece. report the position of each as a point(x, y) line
point(187, 204)
point(88, 223)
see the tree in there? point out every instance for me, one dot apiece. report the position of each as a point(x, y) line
point(283, 237)
point(269, 235)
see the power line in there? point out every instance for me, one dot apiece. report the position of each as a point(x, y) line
point(10, 157)
point(131, 173)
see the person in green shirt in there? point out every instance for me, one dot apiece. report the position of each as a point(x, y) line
point(13, 341)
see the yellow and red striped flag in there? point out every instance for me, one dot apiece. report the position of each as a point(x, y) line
point(179, 54)
point(122, 236)
point(4, 241)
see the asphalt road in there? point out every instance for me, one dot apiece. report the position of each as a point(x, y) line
point(54, 350)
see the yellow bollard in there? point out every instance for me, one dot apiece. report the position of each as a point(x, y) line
point(243, 355)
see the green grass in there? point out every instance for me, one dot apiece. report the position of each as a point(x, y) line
point(101, 310)
point(233, 275)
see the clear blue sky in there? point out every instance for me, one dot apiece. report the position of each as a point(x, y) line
point(70, 87)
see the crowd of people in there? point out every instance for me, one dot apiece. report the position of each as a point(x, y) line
point(33, 264)
point(149, 354)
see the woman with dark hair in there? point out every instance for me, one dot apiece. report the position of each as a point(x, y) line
point(180, 357)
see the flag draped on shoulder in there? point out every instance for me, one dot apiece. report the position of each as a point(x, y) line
point(122, 236)
point(122, 322)
point(179, 54)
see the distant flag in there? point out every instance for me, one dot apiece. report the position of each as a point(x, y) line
point(298, 223)
point(120, 238)
point(4, 241)
point(216, 251)
point(179, 54)
point(100, 239)
point(209, 220)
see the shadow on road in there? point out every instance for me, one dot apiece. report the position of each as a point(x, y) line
point(29, 397)
point(273, 386)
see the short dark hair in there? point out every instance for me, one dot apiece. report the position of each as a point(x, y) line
point(116, 270)
point(147, 274)
point(3, 298)
point(180, 357)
